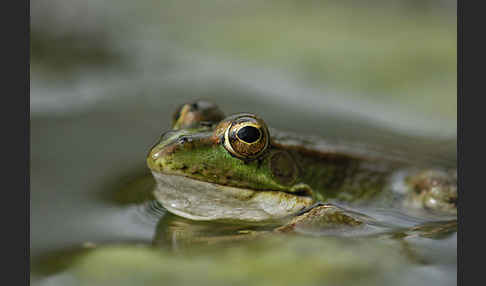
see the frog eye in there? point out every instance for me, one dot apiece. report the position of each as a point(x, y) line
point(246, 137)
point(199, 112)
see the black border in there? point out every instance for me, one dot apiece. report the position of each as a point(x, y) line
point(471, 148)
point(15, 209)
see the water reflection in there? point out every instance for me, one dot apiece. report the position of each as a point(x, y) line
point(187, 252)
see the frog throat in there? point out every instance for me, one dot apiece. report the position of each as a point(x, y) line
point(199, 200)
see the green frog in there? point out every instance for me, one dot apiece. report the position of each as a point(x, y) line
point(236, 169)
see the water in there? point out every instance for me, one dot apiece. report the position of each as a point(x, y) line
point(82, 159)
point(93, 124)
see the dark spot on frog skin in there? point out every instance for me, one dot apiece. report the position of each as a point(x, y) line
point(283, 167)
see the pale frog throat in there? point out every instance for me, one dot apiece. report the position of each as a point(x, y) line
point(199, 200)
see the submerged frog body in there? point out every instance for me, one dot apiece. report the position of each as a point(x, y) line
point(211, 167)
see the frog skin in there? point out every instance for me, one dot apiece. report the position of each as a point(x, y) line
point(211, 167)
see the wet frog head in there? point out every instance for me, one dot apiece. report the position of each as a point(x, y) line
point(226, 169)
point(212, 167)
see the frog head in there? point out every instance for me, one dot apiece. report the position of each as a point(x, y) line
point(228, 169)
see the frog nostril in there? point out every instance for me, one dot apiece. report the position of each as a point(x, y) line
point(184, 139)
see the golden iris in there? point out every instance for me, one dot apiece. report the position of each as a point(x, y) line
point(246, 137)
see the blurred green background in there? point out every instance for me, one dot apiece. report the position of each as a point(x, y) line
point(401, 52)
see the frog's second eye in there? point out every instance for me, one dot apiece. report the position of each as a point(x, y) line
point(194, 113)
point(246, 137)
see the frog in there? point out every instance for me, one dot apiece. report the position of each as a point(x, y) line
point(213, 167)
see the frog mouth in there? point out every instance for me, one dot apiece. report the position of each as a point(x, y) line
point(201, 200)
point(299, 190)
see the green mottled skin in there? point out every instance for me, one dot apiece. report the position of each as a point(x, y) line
point(340, 176)
point(288, 174)
point(328, 175)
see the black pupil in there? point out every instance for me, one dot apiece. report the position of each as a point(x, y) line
point(249, 134)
